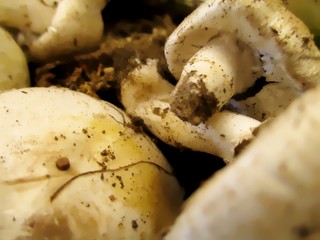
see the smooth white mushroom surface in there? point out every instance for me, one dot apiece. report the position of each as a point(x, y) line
point(271, 191)
point(53, 28)
point(222, 47)
point(72, 167)
point(14, 72)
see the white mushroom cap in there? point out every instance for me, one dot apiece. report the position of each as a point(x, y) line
point(14, 72)
point(72, 168)
point(271, 191)
point(65, 26)
point(277, 38)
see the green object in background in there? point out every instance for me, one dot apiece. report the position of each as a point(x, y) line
point(309, 12)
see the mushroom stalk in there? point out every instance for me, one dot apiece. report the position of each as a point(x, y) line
point(145, 94)
point(214, 73)
point(271, 191)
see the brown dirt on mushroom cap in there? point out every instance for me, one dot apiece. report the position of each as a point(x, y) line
point(193, 102)
point(105, 68)
point(53, 226)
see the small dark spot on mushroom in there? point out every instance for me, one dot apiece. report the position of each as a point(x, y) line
point(137, 121)
point(63, 163)
point(24, 92)
point(134, 224)
point(104, 152)
point(120, 180)
point(112, 198)
point(305, 41)
point(156, 111)
point(85, 131)
point(302, 231)
point(114, 185)
point(275, 31)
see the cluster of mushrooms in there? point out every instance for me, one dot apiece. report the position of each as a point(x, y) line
point(76, 167)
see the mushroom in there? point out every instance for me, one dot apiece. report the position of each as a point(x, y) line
point(146, 95)
point(223, 46)
point(66, 26)
point(263, 107)
point(14, 72)
point(72, 167)
point(271, 191)
point(307, 11)
point(25, 15)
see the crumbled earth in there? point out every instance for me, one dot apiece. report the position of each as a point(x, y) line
point(104, 68)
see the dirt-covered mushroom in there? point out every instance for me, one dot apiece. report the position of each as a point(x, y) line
point(223, 46)
point(146, 95)
point(71, 167)
point(14, 72)
point(53, 28)
point(268, 103)
point(271, 191)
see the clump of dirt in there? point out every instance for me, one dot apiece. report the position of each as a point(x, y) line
point(124, 44)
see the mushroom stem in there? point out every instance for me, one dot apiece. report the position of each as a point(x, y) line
point(211, 77)
point(145, 94)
